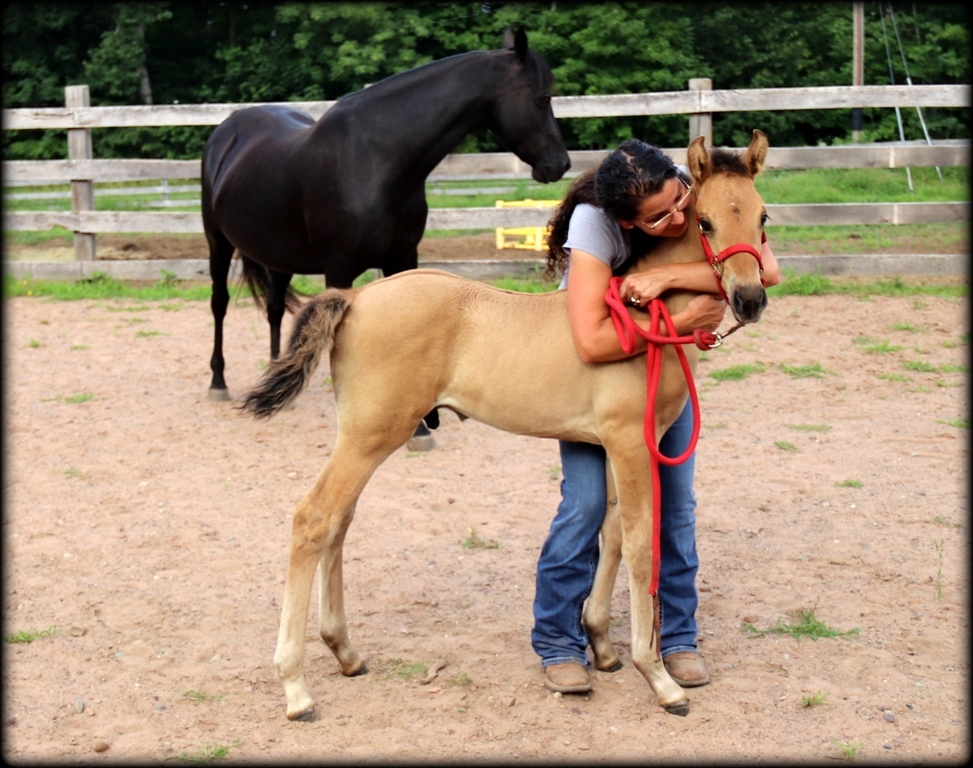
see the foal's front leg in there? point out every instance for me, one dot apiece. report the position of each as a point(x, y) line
point(635, 489)
point(597, 609)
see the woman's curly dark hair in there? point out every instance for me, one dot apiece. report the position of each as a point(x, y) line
point(618, 186)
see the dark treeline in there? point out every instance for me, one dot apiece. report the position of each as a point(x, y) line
point(176, 52)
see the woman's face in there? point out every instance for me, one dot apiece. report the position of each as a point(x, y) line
point(664, 213)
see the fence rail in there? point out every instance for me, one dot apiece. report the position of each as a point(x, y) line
point(699, 102)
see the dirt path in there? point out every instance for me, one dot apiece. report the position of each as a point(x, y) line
point(149, 526)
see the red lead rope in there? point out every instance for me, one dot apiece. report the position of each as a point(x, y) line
point(627, 329)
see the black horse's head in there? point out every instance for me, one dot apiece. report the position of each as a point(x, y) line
point(522, 114)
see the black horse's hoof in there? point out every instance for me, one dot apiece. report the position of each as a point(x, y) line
point(681, 709)
point(420, 443)
point(218, 395)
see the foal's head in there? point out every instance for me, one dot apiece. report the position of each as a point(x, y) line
point(730, 213)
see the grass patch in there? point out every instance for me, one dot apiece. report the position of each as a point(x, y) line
point(737, 372)
point(849, 484)
point(848, 750)
point(893, 377)
point(910, 327)
point(919, 366)
point(80, 397)
point(30, 635)
point(961, 423)
point(208, 752)
point(462, 679)
point(785, 446)
point(200, 696)
point(807, 626)
point(101, 286)
point(404, 670)
point(876, 346)
point(816, 284)
point(810, 371)
point(473, 541)
point(814, 700)
point(810, 427)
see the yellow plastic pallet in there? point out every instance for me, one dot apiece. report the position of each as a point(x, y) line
point(525, 238)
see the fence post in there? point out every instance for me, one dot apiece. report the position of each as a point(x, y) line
point(82, 191)
point(701, 123)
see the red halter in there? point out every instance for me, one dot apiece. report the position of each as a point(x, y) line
point(716, 260)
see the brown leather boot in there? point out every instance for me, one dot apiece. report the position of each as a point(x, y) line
point(570, 677)
point(687, 668)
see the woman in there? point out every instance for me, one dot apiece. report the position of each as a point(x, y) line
point(609, 215)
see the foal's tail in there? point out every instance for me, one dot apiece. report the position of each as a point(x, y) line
point(312, 335)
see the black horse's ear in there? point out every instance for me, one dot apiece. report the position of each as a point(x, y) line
point(520, 45)
point(516, 41)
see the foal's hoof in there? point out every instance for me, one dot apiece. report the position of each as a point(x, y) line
point(681, 709)
point(362, 670)
point(218, 395)
point(420, 443)
point(614, 667)
point(307, 716)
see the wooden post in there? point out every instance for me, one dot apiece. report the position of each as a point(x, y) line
point(701, 123)
point(82, 190)
point(857, 63)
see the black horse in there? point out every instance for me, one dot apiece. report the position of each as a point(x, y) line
point(347, 193)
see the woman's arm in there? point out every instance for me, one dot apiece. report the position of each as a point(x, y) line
point(591, 326)
point(771, 273)
point(693, 276)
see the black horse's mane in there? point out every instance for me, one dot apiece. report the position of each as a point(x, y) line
point(539, 70)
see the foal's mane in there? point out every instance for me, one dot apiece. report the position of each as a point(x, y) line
point(726, 161)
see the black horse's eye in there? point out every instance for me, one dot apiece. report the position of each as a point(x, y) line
point(543, 101)
point(705, 226)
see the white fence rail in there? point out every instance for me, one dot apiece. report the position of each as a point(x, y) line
point(698, 102)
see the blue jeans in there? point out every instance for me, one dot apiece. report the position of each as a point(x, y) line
point(566, 569)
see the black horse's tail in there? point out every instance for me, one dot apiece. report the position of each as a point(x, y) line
point(257, 277)
point(312, 335)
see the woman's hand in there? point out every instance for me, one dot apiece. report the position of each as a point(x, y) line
point(639, 288)
point(704, 311)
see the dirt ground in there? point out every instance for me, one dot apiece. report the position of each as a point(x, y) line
point(148, 528)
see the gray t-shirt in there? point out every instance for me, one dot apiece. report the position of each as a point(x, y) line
point(593, 231)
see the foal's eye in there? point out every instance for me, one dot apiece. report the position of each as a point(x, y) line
point(705, 226)
point(764, 219)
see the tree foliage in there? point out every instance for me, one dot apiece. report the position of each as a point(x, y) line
point(241, 52)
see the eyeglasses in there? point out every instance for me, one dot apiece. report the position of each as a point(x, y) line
point(680, 206)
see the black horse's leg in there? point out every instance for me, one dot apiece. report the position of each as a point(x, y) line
point(220, 258)
point(276, 306)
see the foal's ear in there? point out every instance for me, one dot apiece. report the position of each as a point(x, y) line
point(756, 153)
point(697, 158)
point(516, 41)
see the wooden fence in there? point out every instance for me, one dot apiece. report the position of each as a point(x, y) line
point(699, 102)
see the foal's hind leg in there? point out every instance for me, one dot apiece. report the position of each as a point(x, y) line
point(317, 536)
point(597, 610)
